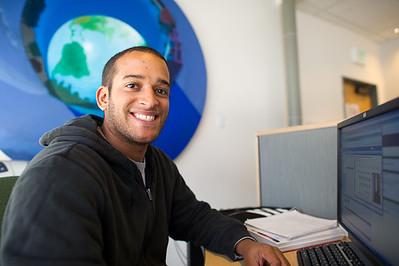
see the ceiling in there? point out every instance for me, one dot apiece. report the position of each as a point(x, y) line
point(375, 19)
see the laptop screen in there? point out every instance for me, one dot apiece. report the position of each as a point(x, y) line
point(368, 181)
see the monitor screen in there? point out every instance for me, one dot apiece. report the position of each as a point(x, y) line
point(368, 180)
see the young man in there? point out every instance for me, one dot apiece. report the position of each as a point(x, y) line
point(100, 194)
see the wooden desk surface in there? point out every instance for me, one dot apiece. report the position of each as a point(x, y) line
point(212, 259)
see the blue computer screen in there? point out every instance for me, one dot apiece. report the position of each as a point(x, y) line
point(369, 183)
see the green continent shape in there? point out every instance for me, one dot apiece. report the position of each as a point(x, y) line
point(94, 23)
point(73, 61)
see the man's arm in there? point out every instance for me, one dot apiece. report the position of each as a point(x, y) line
point(52, 218)
point(194, 221)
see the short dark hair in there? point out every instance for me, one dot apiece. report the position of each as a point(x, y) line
point(110, 69)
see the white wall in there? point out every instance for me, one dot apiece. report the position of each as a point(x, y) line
point(242, 46)
point(390, 62)
point(324, 59)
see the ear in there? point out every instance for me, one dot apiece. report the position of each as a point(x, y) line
point(102, 97)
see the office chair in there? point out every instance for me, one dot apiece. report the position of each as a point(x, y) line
point(6, 185)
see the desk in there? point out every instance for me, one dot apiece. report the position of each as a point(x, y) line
point(212, 259)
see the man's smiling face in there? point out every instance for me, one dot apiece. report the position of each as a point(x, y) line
point(138, 100)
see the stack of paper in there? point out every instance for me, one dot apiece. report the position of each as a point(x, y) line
point(292, 230)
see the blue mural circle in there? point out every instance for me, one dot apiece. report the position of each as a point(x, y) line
point(61, 40)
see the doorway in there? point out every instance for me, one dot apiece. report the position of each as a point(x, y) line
point(359, 96)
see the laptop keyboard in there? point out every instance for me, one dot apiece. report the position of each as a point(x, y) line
point(330, 254)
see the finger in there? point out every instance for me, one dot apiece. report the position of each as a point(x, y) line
point(272, 259)
point(283, 259)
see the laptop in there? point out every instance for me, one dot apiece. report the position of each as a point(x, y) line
point(368, 189)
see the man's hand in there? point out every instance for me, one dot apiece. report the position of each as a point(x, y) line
point(258, 254)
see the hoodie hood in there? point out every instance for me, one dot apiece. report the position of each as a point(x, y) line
point(78, 129)
point(83, 130)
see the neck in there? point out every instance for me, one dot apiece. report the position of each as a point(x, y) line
point(133, 151)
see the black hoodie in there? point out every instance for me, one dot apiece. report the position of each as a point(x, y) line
point(82, 202)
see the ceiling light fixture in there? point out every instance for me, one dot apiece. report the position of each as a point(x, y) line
point(396, 30)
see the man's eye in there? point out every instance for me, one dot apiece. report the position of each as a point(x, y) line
point(131, 86)
point(163, 92)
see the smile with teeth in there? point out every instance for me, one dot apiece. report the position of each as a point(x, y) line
point(144, 117)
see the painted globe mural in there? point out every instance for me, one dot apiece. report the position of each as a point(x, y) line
point(52, 54)
point(77, 52)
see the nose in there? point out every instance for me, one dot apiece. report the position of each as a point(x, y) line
point(148, 98)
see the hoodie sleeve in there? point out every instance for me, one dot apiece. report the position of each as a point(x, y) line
point(56, 193)
point(196, 221)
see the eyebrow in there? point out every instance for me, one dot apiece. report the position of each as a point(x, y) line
point(163, 81)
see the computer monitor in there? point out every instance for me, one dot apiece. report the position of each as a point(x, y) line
point(368, 181)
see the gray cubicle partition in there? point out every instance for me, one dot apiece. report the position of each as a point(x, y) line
point(297, 167)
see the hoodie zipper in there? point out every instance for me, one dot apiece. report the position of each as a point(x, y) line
point(148, 191)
